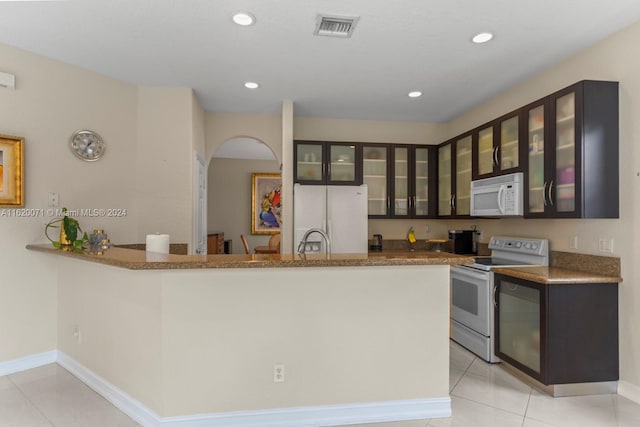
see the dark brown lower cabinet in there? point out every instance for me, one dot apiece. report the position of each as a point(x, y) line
point(558, 333)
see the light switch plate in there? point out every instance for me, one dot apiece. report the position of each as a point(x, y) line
point(605, 245)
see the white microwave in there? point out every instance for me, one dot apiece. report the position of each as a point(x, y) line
point(497, 196)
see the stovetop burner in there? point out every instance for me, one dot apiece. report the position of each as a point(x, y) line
point(495, 262)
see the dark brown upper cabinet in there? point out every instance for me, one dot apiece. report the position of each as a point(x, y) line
point(327, 163)
point(400, 180)
point(498, 147)
point(572, 159)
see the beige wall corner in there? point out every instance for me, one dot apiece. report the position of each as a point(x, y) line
point(286, 237)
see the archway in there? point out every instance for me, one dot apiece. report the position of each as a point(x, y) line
point(229, 188)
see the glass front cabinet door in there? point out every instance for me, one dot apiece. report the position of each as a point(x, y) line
point(421, 182)
point(445, 193)
point(342, 163)
point(509, 148)
point(536, 135)
point(487, 159)
point(462, 196)
point(309, 163)
point(375, 173)
point(401, 190)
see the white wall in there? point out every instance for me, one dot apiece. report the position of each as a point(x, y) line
point(51, 101)
point(221, 127)
point(323, 129)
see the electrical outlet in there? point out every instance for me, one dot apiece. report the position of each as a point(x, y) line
point(278, 373)
point(573, 242)
point(313, 247)
point(53, 200)
point(605, 245)
point(77, 334)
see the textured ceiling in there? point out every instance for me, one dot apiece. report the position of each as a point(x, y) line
point(397, 46)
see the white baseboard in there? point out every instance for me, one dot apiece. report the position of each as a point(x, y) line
point(27, 362)
point(630, 391)
point(313, 416)
point(113, 394)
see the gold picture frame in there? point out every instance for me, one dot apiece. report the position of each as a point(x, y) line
point(266, 204)
point(11, 171)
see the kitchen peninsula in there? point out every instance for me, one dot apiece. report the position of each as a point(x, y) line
point(259, 339)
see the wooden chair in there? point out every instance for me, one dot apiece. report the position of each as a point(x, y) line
point(274, 242)
point(245, 244)
point(273, 248)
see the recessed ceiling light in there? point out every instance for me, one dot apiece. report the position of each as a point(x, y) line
point(244, 18)
point(415, 94)
point(251, 85)
point(482, 37)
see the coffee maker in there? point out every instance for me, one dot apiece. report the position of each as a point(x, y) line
point(461, 241)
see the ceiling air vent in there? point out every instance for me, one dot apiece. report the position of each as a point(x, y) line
point(335, 26)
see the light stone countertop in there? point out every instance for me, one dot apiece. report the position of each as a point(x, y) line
point(556, 275)
point(140, 260)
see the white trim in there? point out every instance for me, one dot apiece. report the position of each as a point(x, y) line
point(312, 416)
point(630, 391)
point(27, 362)
point(113, 394)
point(315, 416)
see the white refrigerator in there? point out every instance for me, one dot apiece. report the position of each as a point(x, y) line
point(339, 210)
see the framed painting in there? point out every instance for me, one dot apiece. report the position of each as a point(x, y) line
point(266, 205)
point(11, 171)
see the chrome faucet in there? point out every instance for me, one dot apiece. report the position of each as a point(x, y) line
point(303, 243)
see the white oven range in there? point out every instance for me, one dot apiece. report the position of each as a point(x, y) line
point(472, 291)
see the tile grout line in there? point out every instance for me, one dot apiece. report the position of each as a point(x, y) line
point(36, 407)
point(485, 404)
point(526, 409)
point(461, 376)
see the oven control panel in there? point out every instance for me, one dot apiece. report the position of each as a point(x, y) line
point(520, 245)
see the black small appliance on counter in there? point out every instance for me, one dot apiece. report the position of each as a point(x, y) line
point(377, 243)
point(461, 241)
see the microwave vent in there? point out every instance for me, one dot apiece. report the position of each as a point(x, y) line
point(335, 26)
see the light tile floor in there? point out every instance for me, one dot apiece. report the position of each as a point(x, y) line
point(485, 395)
point(482, 395)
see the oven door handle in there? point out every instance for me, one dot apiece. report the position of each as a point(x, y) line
point(469, 273)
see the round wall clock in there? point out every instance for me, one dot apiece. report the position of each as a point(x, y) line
point(87, 145)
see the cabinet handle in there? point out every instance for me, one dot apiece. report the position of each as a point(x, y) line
point(550, 193)
point(414, 202)
point(388, 205)
point(495, 301)
point(544, 193)
point(495, 156)
point(453, 202)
